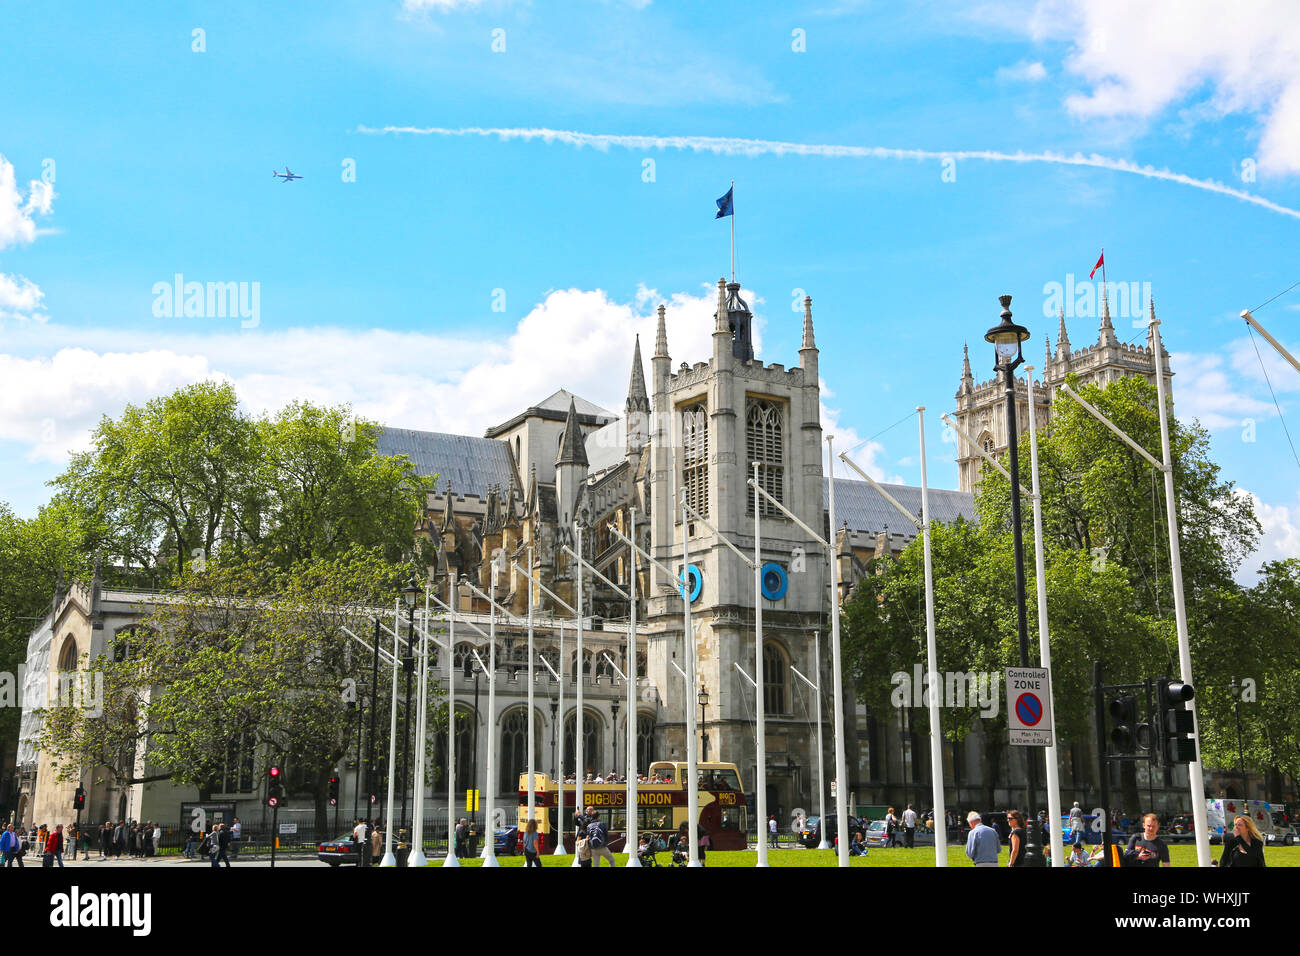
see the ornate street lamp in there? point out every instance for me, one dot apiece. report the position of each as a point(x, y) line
point(1005, 339)
point(704, 703)
point(614, 708)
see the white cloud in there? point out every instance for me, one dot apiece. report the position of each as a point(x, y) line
point(441, 6)
point(1022, 72)
point(1281, 538)
point(20, 299)
point(17, 214)
point(736, 146)
point(1204, 391)
point(1139, 59)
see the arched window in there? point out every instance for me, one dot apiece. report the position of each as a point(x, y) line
point(463, 657)
point(126, 643)
point(552, 656)
point(774, 680)
point(592, 755)
point(464, 754)
point(695, 456)
point(586, 665)
point(604, 670)
point(68, 655)
point(986, 442)
point(514, 748)
point(765, 444)
point(645, 740)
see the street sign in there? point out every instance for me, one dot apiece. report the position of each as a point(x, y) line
point(471, 801)
point(833, 788)
point(1029, 706)
point(288, 828)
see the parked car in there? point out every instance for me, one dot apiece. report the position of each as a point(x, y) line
point(810, 833)
point(508, 842)
point(340, 851)
point(875, 833)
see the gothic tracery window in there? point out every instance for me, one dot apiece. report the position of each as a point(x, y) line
point(765, 444)
point(695, 456)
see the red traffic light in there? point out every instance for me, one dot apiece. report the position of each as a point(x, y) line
point(274, 771)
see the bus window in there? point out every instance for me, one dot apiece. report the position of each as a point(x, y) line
point(731, 818)
point(719, 779)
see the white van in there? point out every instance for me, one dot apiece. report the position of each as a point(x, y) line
point(1219, 814)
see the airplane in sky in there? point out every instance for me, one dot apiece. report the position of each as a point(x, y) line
point(287, 175)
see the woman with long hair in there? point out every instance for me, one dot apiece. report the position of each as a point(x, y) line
point(530, 845)
point(1243, 846)
point(1016, 820)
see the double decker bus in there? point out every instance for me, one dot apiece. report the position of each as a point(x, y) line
point(662, 806)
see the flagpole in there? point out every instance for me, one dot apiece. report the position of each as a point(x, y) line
point(733, 229)
point(1103, 268)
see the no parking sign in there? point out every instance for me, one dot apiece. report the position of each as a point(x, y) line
point(1029, 706)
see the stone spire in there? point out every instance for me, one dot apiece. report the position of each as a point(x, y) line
point(1106, 336)
point(637, 399)
point(448, 516)
point(1047, 353)
point(808, 341)
point(637, 408)
point(967, 379)
point(661, 336)
point(721, 324)
point(1062, 340)
point(572, 449)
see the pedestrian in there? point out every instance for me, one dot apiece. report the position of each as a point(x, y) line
point(771, 830)
point(376, 841)
point(982, 843)
point(705, 843)
point(223, 845)
point(1146, 849)
point(214, 845)
point(9, 845)
point(530, 845)
point(157, 838)
point(361, 842)
point(189, 845)
point(891, 828)
point(236, 834)
point(105, 839)
point(909, 827)
point(119, 838)
point(462, 839)
point(23, 846)
point(53, 848)
point(1242, 847)
point(1016, 841)
point(147, 839)
point(598, 838)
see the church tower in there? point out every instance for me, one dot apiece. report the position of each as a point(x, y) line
point(713, 420)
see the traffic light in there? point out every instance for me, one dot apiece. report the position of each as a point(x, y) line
point(1176, 721)
point(1127, 734)
point(79, 799)
point(334, 791)
point(274, 787)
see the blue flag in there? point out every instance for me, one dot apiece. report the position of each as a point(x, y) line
point(725, 207)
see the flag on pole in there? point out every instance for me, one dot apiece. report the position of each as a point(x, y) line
point(1101, 261)
point(725, 207)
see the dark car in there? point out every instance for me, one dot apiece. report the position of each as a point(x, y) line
point(340, 851)
point(508, 842)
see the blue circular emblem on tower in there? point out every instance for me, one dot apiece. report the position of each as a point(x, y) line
point(696, 578)
point(775, 582)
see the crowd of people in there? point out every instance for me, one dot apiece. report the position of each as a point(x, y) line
point(615, 777)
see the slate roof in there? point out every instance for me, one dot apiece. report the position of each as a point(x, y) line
point(607, 446)
point(857, 503)
point(470, 465)
point(555, 407)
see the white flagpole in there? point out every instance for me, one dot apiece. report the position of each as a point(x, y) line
point(732, 192)
point(389, 858)
point(932, 662)
point(821, 775)
point(580, 722)
point(760, 732)
point(449, 670)
point(841, 766)
point(692, 767)
point(1056, 837)
point(558, 834)
point(532, 733)
point(416, 856)
point(489, 854)
point(630, 840)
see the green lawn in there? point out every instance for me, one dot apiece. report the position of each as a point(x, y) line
point(1180, 855)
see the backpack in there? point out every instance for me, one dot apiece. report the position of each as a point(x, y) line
point(595, 835)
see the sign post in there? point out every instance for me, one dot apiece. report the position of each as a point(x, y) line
point(1029, 707)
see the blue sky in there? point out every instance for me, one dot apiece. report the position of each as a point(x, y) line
point(456, 278)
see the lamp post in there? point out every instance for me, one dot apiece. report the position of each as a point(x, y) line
point(473, 770)
point(1235, 688)
point(409, 594)
point(704, 703)
point(614, 709)
point(1005, 339)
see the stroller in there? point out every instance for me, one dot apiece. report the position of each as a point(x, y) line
point(646, 854)
point(680, 854)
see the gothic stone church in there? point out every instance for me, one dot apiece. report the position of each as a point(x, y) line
point(563, 462)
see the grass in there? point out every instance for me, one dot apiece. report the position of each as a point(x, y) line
point(1182, 855)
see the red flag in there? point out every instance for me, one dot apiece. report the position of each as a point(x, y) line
point(1101, 261)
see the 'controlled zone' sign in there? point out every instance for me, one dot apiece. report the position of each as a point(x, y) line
point(1029, 706)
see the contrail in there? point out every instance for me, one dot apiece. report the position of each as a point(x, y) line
point(734, 146)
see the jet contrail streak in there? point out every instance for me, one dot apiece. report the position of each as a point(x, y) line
point(733, 146)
